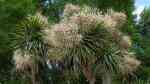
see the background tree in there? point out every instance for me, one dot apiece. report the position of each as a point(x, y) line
point(11, 12)
point(143, 43)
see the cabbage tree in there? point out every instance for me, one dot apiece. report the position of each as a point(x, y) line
point(85, 37)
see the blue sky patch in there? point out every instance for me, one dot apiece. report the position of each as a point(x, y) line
point(139, 5)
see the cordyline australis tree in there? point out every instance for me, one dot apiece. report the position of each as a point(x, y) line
point(29, 49)
point(84, 36)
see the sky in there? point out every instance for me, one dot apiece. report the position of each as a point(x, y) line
point(140, 4)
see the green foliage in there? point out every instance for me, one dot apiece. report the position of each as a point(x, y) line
point(144, 27)
point(11, 12)
point(144, 23)
point(28, 30)
point(143, 43)
point(10, 15)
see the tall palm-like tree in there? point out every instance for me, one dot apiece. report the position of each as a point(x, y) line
point(30, 51)
point(87, 37)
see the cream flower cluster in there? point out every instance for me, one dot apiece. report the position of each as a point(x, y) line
point(23, 60)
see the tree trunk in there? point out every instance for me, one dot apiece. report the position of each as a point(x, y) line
point(33, 77)
point(35, 74)
point(106, 78)
point(88, 73)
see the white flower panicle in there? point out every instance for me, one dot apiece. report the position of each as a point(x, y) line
point(125, 42)
point(71, 9)
point(114, 19)
point(108, 22)
point(64, 35)
point(87, 18)
point(130, 64)
point(91, 11)
point(116, 34)
point(22, 60)
point(85, 22)
point(119, 18)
